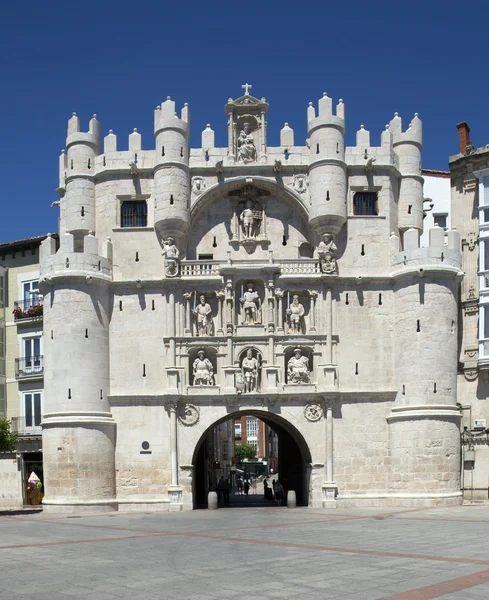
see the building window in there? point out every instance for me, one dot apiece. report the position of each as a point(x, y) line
point(32, 409)
point(441, 220)
point(251, 428)
point(365, 204)
point(237, 431)
point(30, 294)
point(485, 215)
point(32, 355)
point(134, 213)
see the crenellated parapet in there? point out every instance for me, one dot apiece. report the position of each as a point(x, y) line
point(89, 265)
point(442, 254)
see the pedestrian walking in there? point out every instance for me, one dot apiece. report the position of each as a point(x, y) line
point(246, 487)
point(240, 485)
point(279, 493)
point(226, 488)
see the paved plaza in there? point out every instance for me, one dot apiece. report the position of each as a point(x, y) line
point(260, 553)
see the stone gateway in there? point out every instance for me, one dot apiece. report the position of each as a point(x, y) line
point(192, 286)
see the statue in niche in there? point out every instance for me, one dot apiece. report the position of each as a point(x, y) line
point(203, 315)
point(298, 368)
point(250, 302)
point(327, 254)
point(295, 315)
point(250, 368)
point(246, 145)
point(250, 219)
point(203, 370)
point(172, 257)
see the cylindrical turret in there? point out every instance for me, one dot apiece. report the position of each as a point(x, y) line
point(327, 169)
point(171, 172)
point(78, 429)
point(424, 422)
point(79, 198)
point(407, 146)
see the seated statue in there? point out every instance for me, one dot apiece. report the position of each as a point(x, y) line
point(246, 145)
point(298, 368)
point(202, 370)
point(295, 314)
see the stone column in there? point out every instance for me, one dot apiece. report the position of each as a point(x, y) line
point(220, 295)
point(231, 138)
point(329, 326)
point(271, 307)
point(174, 490)
point(313, 295)
point(280, 315)
point(329, 486)
point(229, 307)
point(188, 322)
point(262, 136)
point(171, 327)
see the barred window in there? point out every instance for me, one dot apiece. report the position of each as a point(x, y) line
point(134, 213)
point(365, 204)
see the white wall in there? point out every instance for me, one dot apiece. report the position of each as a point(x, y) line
point(436, 187)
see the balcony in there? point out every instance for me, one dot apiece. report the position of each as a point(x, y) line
point(26, 425)
point(31, 367)
point(30, 309)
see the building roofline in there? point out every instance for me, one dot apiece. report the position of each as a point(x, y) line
point(435, 173)
point(25, 243)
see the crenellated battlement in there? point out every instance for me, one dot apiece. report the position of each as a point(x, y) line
point(412, 135)
point(91, 263)
point(325, 116)
point(442, 251)
point(167, 118)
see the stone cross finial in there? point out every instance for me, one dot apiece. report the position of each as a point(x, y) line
point(246, 88)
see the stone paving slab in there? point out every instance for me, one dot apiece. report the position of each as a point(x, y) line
point(262, 553)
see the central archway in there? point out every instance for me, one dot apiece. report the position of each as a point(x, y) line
point(294, 457)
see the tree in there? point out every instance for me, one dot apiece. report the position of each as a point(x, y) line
point(245, 451)
point(8, 439)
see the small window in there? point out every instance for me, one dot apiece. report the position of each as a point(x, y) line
point(441, 220)
point(486, 215)
point(206, 257)
point(134, 213)
point(365, 204)
point(237, 431)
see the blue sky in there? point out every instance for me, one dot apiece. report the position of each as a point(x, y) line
point(120, 59)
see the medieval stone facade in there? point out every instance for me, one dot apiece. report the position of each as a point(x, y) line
point(193, 286)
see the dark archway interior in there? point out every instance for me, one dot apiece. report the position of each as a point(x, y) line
point(293, 459)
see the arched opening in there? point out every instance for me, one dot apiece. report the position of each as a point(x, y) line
point(292, 465)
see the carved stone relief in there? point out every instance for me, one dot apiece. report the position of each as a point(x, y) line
point(327, 254)
point(300, 183)
point(246, 145)
point(172, 258)
point(313, 411)
point(198, 185)
point(189, 415)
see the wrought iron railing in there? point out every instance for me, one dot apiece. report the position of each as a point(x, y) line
point(31, 366)
point(27, 425)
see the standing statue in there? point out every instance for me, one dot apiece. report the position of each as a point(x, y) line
point(250, 305)
point(172, 257)
point(327, 254)
point(202, 370)
point(246, 145)
point(295, 314)
point(298, 368)
point(204, 321)
point(250, 219)
point(250, 367)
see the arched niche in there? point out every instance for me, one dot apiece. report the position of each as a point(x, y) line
point(215, 228)
point(249, 291)
point(294, 322)
point(247, 365)
point(295, 372)
point(210, 354)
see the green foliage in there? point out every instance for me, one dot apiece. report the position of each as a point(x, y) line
point(8, 439)
point(245, 451)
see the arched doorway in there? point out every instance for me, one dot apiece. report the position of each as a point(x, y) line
point(294, 458)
